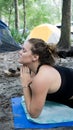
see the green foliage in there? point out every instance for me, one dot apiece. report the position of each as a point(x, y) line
point(37, 12)
point(5, 6)
point(41, 12)
point(17, 36)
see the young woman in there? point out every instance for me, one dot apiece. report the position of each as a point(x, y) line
point(49, 82)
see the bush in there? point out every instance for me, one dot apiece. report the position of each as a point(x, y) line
point(19, 37)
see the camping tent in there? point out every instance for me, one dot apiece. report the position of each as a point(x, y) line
point(47, 32)
point(7, 43)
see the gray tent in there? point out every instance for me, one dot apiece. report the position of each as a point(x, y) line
point(7, 43)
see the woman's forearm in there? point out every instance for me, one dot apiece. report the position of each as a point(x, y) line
point(27, 96)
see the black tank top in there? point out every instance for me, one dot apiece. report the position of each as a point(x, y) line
point(66, 88)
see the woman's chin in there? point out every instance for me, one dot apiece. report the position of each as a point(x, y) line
point(20, 61)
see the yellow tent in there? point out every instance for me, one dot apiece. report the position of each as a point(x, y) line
point(49, 33)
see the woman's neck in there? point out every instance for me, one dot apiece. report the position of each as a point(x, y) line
point(34, 67)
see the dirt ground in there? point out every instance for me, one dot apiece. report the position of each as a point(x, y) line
point(11, 87)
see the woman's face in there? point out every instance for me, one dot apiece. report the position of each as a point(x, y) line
point(25, 55)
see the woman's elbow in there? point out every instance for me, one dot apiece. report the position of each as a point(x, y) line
point(34, 114)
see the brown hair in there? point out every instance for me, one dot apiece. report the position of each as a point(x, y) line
point(45, 51)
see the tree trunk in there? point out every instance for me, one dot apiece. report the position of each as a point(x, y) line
point(10, 11)
point(24, 15)
point(0, 15)
point(64, 42)
point(16, 15)
point(72, 9)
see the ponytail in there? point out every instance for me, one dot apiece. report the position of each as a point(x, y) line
point(52, 49)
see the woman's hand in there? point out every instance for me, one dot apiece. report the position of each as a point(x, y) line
point(25, 76)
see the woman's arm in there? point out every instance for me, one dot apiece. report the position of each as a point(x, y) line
point(34, 98)
point(25, 78)
point(35, 95)
point(39, 92)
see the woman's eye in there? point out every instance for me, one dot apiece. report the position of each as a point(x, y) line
point(24, 50)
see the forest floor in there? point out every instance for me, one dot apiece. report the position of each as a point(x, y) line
point(11, 87)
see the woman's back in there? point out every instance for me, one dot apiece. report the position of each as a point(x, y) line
point(66, 88)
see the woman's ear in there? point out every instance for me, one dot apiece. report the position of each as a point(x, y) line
point(35, 58)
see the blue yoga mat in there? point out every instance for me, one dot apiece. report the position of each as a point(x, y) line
point(21, 121)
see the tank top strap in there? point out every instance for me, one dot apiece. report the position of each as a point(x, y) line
point(38, 68)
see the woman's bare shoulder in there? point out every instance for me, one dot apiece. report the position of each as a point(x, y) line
point(47, 70)
point(47, 78)
point(42, 78)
